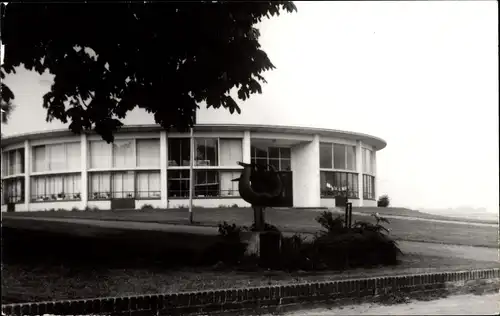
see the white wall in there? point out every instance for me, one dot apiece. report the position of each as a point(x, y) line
point(371, 203)
point(331, 202)
point(210, 203)
point(305, 168)
point(45, 206)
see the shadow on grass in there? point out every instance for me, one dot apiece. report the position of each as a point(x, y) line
point(112, 248)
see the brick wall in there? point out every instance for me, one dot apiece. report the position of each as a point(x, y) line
point(268, 299)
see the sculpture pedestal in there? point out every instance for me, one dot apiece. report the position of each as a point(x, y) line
point(264, 245)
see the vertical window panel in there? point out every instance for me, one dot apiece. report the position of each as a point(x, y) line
point(325, 156)
point(351, 158)
point(178, 183)
point(73, 156)
point(100, 152)
point(231, 151)
point(123, 154)
point(56, 157)
point(206, 152)
point(39, 159)
point(227, 186)
point(148, 153)
point(339, 156)
point(178, 152)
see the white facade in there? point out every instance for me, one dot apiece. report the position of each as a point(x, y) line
point(61, 170)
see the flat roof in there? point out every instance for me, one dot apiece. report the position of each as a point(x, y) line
point(376, 142)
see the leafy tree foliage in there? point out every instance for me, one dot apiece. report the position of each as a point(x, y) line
point(165, 58)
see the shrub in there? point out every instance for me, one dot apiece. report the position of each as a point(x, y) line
point(235, 205)
point(383, 201)
point(147, 207)
point(365, 244)
point(230, 249)
point(332, 225)
point(75, 209)
point(296, 253)
point(267, 228)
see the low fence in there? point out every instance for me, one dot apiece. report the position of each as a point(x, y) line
point(266, 299)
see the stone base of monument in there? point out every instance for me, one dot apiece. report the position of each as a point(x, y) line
point(264, 245)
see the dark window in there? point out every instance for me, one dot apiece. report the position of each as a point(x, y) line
point(339, 161)
point(178, 183)
point(178, 152)
point(206, 152)
point(13, 190)
point(325, 156)
point(334, 183)
point(206, 183)
point(279, 157)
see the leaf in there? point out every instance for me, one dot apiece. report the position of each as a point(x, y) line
point(163, 58)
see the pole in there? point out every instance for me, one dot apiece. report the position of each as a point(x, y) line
point(191, 186)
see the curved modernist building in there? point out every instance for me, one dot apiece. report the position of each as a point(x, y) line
point(146, 165)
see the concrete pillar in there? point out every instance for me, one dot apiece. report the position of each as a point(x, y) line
point(247, 145)
point(84, 166)
point(163, 168)
point(27, 172)
point(374, 172)
point(306, 174)
point(359, 170)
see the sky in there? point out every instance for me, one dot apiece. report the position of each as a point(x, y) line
point(422, 75)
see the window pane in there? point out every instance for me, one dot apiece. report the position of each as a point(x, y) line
point(274, 152)
point(206, 183)
point(142, 185)
point(228, 187)
point(100, 152)
point(261, 161)
point(73, 156)
point(231, 151)
point(285, 152)
point(178, 151)
point(39, 159)
point(351, 158)
point(259, 152)
point(148, 153)
point(325, 156)
point(339, 156)
point(123, 154)
point(285, 165)
point(206, 152)
point(275, 163)
point(154, 185)
point(56, 157)
point(178, 183)
point(117, 185)
point(99, 186)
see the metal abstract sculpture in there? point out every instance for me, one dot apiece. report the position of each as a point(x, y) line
point(259, 186)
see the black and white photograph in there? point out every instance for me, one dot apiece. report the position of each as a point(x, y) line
point(293, 158)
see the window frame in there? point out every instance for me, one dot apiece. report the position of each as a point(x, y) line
point(62, 196)
point(337, 176)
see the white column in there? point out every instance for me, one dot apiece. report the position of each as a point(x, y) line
point(359, 170)
point(27, 172)
point(84, 166)
point(163, 168)
point(247, 144)
point(374, 172)
point(306, 174)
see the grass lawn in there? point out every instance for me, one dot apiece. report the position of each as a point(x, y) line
point(296, 220)
point(36, 282)
point(40, 274)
